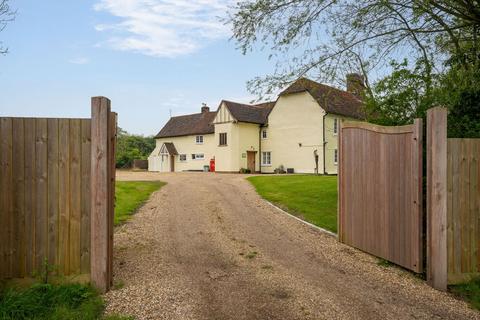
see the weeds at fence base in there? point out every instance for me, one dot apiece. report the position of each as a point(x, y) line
point(43, 301)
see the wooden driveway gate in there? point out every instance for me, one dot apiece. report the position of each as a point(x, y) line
point(57, 180)
point(380, 191)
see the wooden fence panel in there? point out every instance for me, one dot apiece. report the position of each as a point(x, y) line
point(463, 210)
point(380, 191)
point(46, 198)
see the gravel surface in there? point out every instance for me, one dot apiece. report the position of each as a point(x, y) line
point(206, 246)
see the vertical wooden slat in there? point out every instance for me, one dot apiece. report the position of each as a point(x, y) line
point(437, 198)
point(417, 239)
point(85, 198)
point(30, 195)
point(64, 195)
point(100, 192)
point(41, 218)
point(53, 191)
point(6, 201)
point(75, 198)
point(18, 157)
point(111, 198)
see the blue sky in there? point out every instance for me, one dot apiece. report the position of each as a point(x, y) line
point(147, 56)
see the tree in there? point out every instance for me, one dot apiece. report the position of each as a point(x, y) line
point(325, 39)
point(130, 147)
point(6, 15)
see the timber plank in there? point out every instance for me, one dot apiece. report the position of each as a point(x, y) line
point(30, 195)
point(18, 168)
point(75, 199)
point(64, 196)
point(53, 191)
point(41, 170)
point(85, 197)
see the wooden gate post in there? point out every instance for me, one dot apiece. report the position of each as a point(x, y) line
point(437, 198)
point(100, 194)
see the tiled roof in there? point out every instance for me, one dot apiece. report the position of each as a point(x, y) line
point(250, 113)
point(171, 148)
point(333, 100)
point(198, 123)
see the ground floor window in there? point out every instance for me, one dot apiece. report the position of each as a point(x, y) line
point(183, 157)
point(198, 156)
point(335, 156)
point(266, 158)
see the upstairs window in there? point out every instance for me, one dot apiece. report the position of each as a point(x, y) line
point(199, 139)
point(264, 134)
point(335, 126)
point(223, 139)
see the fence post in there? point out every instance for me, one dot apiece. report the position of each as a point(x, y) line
point(100, 188)
point(437, 198)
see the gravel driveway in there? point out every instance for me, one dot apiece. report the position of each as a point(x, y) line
point(206, 246)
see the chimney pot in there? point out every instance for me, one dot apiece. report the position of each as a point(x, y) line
point(205, 108)
point(355, 84)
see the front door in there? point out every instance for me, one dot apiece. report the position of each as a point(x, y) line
point(251, 161)
point(172, 163)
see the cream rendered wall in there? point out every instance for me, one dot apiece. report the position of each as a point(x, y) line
point(332, 142)
point(226, 157)
point(184, 145)
point(241, 137)
point(248, 141)
point(296, 118)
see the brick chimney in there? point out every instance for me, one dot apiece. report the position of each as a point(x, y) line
point(355, 84)
point(205, 108)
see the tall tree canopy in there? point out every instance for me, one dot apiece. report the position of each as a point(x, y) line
point(6, 15)
point(413, 54)
point(326, 38)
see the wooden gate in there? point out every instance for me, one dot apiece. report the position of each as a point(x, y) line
point(380, 191)
point(57, 188)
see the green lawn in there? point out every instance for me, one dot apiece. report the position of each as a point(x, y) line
point(130, 195)
point(469, 291)
point(53, 302)
point(312, 198)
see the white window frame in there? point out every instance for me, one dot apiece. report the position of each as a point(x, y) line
point(264, 134)
point(265, 157)
point(199, 139)
point(180, 157)
point(198, 156)
point(335, 156)
point(335, 126)
point(220, 139)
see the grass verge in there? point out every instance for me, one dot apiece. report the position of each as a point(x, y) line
point(309, 197)
point(54, 302)
point(130, 195)
point(469, 292)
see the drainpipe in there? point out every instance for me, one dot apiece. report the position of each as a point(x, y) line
point(324, 142)
point(260, 148)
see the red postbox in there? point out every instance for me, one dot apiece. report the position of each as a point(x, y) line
point(212, 165)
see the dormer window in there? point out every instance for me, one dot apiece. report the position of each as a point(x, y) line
point(199, 139)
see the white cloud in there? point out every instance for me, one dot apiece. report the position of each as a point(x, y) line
point(79, 60)
point(163, 28)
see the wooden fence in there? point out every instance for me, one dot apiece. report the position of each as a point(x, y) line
point(56, 199)
point(453, 204)
point(380, 191)
point(463, 209)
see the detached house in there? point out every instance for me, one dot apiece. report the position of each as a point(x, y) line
point(297, 132)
